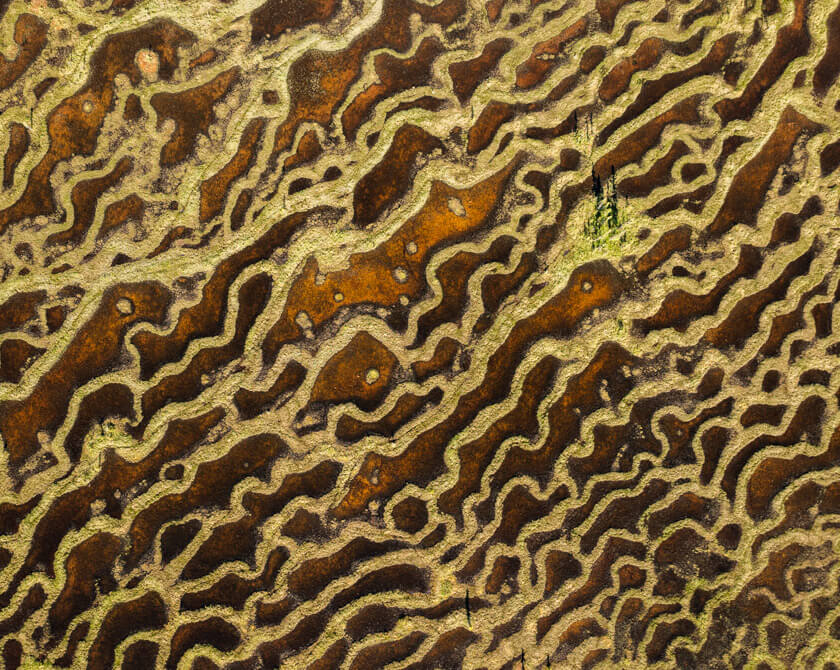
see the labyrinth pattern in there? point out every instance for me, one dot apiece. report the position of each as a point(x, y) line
point(420, 334)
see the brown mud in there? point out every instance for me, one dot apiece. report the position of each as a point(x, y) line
point(419, 333)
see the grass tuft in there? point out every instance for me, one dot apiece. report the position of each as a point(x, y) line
point(604, 225)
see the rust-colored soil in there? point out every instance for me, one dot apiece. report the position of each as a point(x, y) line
point(420, 334)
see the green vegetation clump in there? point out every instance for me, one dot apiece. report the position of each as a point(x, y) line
point(604, 225)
